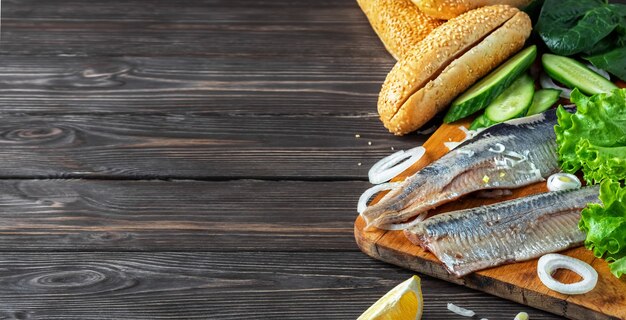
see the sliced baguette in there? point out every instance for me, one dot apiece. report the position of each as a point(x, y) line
point(398, 23)
point(448, 9)
point(447, 62)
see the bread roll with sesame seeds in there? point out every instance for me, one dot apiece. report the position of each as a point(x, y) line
point(448, 9)
point(447, 62)
point(398, 23)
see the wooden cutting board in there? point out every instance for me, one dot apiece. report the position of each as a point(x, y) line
point(517, 282)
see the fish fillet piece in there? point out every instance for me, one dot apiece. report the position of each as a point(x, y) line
point(505, 156)
point(473, 239)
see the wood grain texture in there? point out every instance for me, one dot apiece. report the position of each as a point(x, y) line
point(200, 89)
point(334, 29)
point(193, 147)
point(239, 234)
point(41, 215)
point(518, 282)
point(216, 286)
point(220, 85)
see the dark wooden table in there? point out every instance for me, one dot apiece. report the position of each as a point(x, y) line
point(194, 159)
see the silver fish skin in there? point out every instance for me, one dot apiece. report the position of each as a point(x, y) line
point(505, 156)
point(474, 239)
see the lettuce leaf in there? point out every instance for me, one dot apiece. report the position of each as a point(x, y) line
point(618, 268)
point(605, 226)
point(594, 138)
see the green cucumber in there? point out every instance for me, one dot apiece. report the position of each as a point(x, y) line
point(543, 100)
point(513, 102)
point(481, 122)
point(488, 88)
point(574, 74)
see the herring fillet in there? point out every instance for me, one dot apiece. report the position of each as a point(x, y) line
point(505, 156)
point(473, 239)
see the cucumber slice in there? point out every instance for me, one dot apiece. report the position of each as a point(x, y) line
point(481, 122)
point(488, 88)
point(543, 100)
point(513, 102)
point(574, 74)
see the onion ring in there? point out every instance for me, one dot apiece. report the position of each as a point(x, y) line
point(547, 83)
point(367, 194)
point(469, 134)
point(552, 261)
point(452, 144)
point(390, 166)
point(563, 181)
point(402, 226)
point(460, 311)
point(601, 72)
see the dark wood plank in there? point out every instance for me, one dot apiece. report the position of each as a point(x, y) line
point(189, 28)
point(259, 86)
point(42, 215)
point(225, 11)
point(192, 146)
point(253, 285)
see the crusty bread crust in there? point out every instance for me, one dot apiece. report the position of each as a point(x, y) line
point(399, 24)
point(448, 9)
point(430, 57)
point(457, 77)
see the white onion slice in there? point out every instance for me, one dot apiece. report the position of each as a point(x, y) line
point(362, 204)
point(551, 262)
point(392, 165)
point(451, 145)
point(469, 134)
point(403, 226)
point(599, 71)
point(460, 311)
point(547, 83)
point(563, 181)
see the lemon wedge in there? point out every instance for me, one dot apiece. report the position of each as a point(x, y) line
point(404, 302)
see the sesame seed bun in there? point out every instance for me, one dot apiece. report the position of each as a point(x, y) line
point(447, 62)
point(399, 24)
point(448, 9)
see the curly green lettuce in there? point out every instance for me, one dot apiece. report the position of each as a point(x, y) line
point(593, 139)
point(605, 226)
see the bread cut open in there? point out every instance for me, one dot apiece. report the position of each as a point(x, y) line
point(448, 9)
point(399, 24)
point(447, 62)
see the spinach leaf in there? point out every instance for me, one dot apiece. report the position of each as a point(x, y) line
point(616, 39)
point(604, 45)
point(619, 8)
point(613, 61)
point(573, 26)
